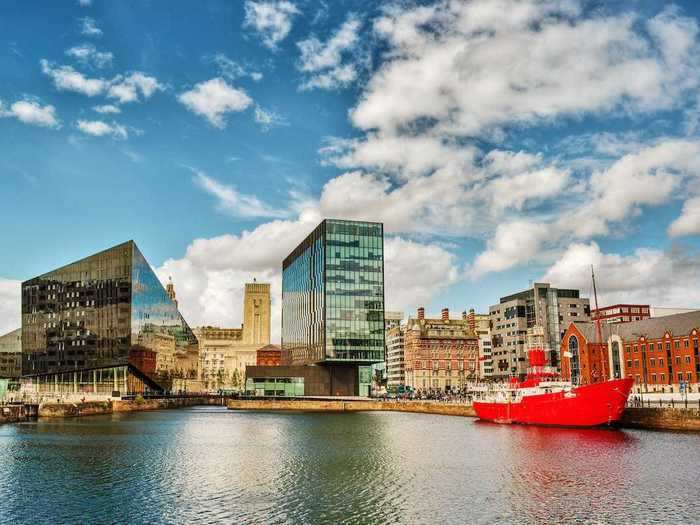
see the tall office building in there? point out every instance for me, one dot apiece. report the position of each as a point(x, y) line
point(332, 312)
point(395, 365)
point(98, 324)
point(541, 305)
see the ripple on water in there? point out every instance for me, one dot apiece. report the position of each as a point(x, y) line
point(213, 466)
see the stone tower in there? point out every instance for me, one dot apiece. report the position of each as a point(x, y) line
point(256, 313)
point(170, 290)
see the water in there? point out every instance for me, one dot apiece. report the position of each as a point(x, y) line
point(207, 465)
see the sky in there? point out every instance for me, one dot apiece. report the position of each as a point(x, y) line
point(499, 141)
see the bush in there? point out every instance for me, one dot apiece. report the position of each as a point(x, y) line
point(139, 400)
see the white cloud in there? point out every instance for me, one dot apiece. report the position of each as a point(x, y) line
point(488, 63)
point(323, 62)
point(129, 88)
point(89, 27)
point(84, 3)
point(689, 221)
point(645, 178)
point(268, 119)
point(10, 305)
point(513, 243)
point(213, 99)
point(99, 128)
point(644, 276)
point(107, 109)
point(272, 20)
point(87, 54)
point(65, 78)
point(31, 112)
point(232, 201)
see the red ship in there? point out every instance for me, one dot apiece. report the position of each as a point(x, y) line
point(544, 399)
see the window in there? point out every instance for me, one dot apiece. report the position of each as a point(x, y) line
point(574, 358)
point(689, 376)
point(636, 363)
point(652, 362)
point(676, 344)
point(678, 360)
point(629, 364)
point(661, 362)
point(653, 378)
point(663, 378)
point(687, 360)
point(659, 346)
point(686, 343)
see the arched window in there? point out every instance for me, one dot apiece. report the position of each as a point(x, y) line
point(616, 360)
point(574, 359)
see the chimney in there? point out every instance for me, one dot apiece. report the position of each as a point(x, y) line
point(445, 314)
point(421, 312)
point(471, 318)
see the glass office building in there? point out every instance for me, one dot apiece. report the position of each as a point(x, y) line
point(89, 326)
point(333, 300)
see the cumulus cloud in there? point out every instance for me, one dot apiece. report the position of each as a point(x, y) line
point(88, 27)
point(232, 201)
point(213, 99)
point(689, 221)
point(99, 128)
point(31, 112)
point(10, 305)
point(323, 63)
point(209, 278)
point(124, 88)
point(88, 55)
point(107, 109)
point(65, 78)
point(271, 20)
point(489, 63)
point(644, 276)
point(132, 87)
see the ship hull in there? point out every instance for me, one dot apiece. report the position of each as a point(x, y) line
point(589, 406)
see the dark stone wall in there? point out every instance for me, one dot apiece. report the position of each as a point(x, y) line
point(319, 380)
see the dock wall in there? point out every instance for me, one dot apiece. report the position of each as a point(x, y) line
point(317, 405)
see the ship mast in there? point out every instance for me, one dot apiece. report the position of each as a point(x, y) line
point(597, 319)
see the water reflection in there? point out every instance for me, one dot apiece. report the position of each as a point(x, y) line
point(207, 465)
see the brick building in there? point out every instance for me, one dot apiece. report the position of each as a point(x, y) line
point(440, 354)
point(621, 313)
point(270, 355)
point(661, 354)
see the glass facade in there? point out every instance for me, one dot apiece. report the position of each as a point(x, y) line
point(275, 386)
point(82, 323)
point(333, 295)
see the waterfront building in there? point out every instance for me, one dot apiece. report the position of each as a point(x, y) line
point(11, 355)
point(661, 354)
point(551, 308)
point(332, 310)
point(270, 355)
point(95, 326)
point(395, 367)
point(621, 313)
point(440, 354)
point(224, 353)
point(380, 373)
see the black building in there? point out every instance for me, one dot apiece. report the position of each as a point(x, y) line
point(89, 326)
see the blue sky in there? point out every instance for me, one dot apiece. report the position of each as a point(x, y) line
point(499, 141)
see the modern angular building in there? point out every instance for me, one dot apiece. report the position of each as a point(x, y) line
point(11, 355)
point(332, 311)
point(90, 326)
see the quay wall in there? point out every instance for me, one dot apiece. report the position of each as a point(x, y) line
point(12, 414)
point(91, 408)
point(661, 418)
point(319, 405)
